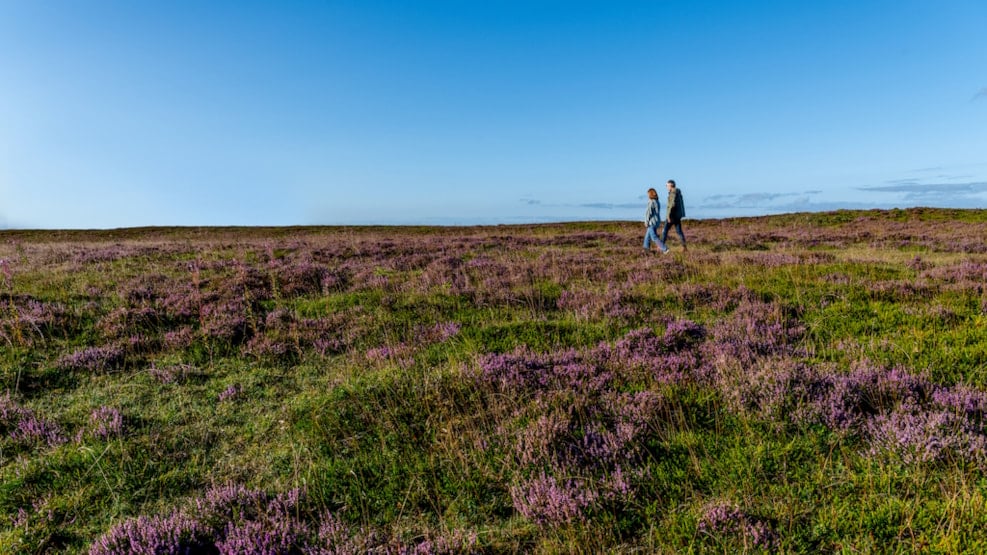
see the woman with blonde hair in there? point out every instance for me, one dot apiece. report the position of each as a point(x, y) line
point(652, 219)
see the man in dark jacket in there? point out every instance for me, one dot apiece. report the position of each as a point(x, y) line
point(676, 211)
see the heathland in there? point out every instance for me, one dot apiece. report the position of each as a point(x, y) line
point(796, 383)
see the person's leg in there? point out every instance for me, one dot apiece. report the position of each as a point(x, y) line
point(664, 231)
point(661, 244)
point(678, 229)
point(652, 237)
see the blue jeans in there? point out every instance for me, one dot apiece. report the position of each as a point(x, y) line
point(678, 229)
point(651, 236)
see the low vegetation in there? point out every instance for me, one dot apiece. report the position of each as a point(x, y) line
point(798, 383)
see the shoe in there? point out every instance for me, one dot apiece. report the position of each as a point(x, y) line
point(666, 251)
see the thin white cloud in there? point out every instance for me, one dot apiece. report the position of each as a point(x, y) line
point(941, 177)
point(917, 187)
point(981, 94)
point(609, 205)
point(755, 200)
point(956, 195)
point(589, 205)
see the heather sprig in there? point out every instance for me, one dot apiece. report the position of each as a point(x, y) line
point(720, 518)
point(106, 422)
point(93, 359)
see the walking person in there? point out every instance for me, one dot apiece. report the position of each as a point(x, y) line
point(652, 218)
point(676, 211)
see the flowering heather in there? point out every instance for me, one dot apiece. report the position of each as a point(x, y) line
point(894, 410)
point(594, 435)
point(681, 334)
point(175, 534)
point(569, 267)
point(183, 301)
point(105, 423)
point(900, 290)
point(446, 272)
point(326, 346)
point(300, 277)
point(25, 427)
point(542, 439)
point(246, 282)
point(230, 393)
point(125, 321)
point(549, 501)
point(180, 338)
point(93, 358)
point(446, 330)
point(9, 409)
point(965, 401)
point(843, 401)
point(725, 519)
point(436, 333)
point(223, 520)
point(334, 280)
point(372, 281)
point(96, 255)
point(967, 274)
point(174, 373)
point(919, 435)
point(588, 305)
point(6, 273)
point(399, 354)
point(227, 321)
point(669, 358)
point(449, 543)
point(754, 329)
point(34, 430)
point(271, 347)
point(334, 537)
point(144, 289)
point(523, 370)
point(268, 537)
point(576, 422)
point(33, 314)
point(235, 520)
point(824, 369)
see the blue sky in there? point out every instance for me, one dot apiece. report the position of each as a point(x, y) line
point(118, 114)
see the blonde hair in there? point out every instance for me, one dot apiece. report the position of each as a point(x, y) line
point(652, 193)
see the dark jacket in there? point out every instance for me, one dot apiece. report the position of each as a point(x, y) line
point(676, 206)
